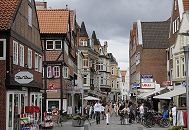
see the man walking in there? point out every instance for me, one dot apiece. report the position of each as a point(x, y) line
point(97, 110)
point(108, 110)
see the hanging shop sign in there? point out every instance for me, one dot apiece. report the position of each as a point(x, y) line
point(147, 85)
point(51, 88)
point(23, 77)
point(147, 78)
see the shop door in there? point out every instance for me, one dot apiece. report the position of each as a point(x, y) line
point(16, 103)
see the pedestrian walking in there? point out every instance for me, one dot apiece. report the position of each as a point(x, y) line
point(141, 109)
point(108, 110)
point(174, 114)
point(97, 110)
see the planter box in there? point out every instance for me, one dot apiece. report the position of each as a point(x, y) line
point(78, 123)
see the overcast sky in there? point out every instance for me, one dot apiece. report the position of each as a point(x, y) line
point(112, 19)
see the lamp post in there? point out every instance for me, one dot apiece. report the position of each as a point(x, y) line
point(186, 53)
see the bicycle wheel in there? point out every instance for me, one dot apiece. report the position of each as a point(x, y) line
point(165, 123)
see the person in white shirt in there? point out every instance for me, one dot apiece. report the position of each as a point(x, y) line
point(141, 109)
point(174, 114)
point(97, 110)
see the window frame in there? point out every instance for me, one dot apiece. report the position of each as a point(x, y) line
point(56, 71)
point(65, 72)
point(52, 44)
point(21, 55)
point(40, 63)
point(30, 15)
point(55, 44)
point(4, 49)
point(49, 72)
point(36, 62)
point(30, 59)
point(15, 52)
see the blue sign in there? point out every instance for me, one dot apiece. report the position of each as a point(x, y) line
point(135, 85)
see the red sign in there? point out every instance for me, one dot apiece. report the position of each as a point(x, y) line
point(51, 86)
point(148, 85)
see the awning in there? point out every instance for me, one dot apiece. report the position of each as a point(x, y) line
point(145, 95)
point(178, 90)
point(91, 98)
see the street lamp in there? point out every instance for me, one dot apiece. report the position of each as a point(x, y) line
point(186, 54)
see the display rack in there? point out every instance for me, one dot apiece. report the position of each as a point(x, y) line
point(29, 120)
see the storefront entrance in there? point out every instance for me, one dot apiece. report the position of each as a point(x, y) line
point(16, 102)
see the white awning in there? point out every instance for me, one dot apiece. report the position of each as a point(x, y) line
point(145, 95)
point(91, 98)
point(178, 90)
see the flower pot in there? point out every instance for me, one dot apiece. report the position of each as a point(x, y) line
point(78, 123)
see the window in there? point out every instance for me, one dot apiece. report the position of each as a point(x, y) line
point(101, 81)
point(65, 72)
point(40, 63)
point(36, 62)
point(49, 45)
point(49, 72)
point(117, 84)
point(85, 79)
point(29, 15)
point(177, 67)
point(183, 68)
point(29, 58)
point(112, 84)
point(85, 62)
point(83, 43)
point(15, 52)
point(112, 70)
point(21, 57)
point(2, 49)
point(56, 71)
point(58, 45)
point(101, 66)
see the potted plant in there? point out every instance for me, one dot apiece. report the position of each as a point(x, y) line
point(78, 120)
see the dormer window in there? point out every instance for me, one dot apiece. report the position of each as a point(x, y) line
point(53, 44)
point(83, 43)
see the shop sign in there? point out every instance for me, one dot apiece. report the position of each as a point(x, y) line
point(51, 88)
point(147, 85)
point(147, 78)
point(23, 77)
point(135, 85)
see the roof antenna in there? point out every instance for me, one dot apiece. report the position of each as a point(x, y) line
point(67, 7)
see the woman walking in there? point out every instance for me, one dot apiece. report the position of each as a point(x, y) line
point(108, 110)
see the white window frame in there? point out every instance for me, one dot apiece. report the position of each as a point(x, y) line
point(36, 62)
point(55, 45)
point(183, 66)
point(47, 42)
point(56, 71)
point(85, 62)
point(177, 68)
point(29, 15)
point(49, 72)
point(4, 49)
point(40, 63)
point(85, 78)
point(65, 72)
point(21, 55)
point(15, 52)
point(29, 58)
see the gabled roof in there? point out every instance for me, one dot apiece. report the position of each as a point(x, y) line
point(8, 8)
point(155, 34)
point(83, 31)
point(53, 21)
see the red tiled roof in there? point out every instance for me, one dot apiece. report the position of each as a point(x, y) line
point(53, 21)
point(7, 11)
point(186, 5)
